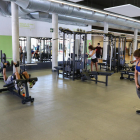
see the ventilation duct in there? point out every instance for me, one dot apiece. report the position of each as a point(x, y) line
point(43, 16)
point(53, 7)
point(4, 8)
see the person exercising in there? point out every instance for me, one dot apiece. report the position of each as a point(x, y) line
point(92, 54)
point(36, 53)
point(132, 62)
point(137, 74)
point(10, 79)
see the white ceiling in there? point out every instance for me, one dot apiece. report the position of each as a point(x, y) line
point(127, 10)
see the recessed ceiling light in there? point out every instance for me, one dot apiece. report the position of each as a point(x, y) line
point(127, 10)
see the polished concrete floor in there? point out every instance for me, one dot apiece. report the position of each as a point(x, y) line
point(72, 110)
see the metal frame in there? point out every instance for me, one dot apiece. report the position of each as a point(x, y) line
point(1, 77)
point(67, 31)
point(114, 55)
point(63, 53)
point(112, 47)
point(74, 57)
point(85, 51)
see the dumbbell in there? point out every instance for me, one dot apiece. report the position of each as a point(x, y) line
point(2, 64)
point(12, 63)
point(8, 63)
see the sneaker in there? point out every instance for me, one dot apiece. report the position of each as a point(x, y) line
point(21, 87)
point(22, 91)
point(138, 112)
point(31, 84)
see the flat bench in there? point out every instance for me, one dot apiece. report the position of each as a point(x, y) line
point(89, 75)
point(58, 68)
point(103, 64)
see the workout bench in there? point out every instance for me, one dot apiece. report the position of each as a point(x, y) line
point(94, 74)
point(13, 90)
point(129, 73)
point(58, 69)
point(103, 65)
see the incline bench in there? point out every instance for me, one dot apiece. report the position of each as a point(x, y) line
point(13, 90)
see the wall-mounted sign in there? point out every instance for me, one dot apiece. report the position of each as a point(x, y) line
point(26, 25)
point(51, 30)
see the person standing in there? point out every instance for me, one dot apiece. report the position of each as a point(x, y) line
point(21, 53)
point(98, 51)
point(137, 74)
point(92, 55)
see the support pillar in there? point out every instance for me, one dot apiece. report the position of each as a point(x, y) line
point(43, 45)
point(28, 49)
point(135, 43)
point(15, 33)
point(105, 43)
point(54, 41)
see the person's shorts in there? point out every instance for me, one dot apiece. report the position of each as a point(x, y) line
point(21, 53)
point(94, 60)
point(97, 55)
point(9, 80)
point(32, 52)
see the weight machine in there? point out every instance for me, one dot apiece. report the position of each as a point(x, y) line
point(116, 62)
point(45, 55)
point(77, 68)
point(115, 56)
point(71, 67)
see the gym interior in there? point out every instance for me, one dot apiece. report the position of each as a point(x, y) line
point(69, 70)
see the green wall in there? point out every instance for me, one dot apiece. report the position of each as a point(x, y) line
point(88, 41)
point(6, 45)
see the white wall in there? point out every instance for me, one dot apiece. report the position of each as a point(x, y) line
point(96, 40)
point(33, 28)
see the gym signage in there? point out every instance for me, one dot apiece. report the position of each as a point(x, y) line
point(51, 30)
point(26, 25)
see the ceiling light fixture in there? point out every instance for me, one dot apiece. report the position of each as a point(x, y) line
point(91, 9)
